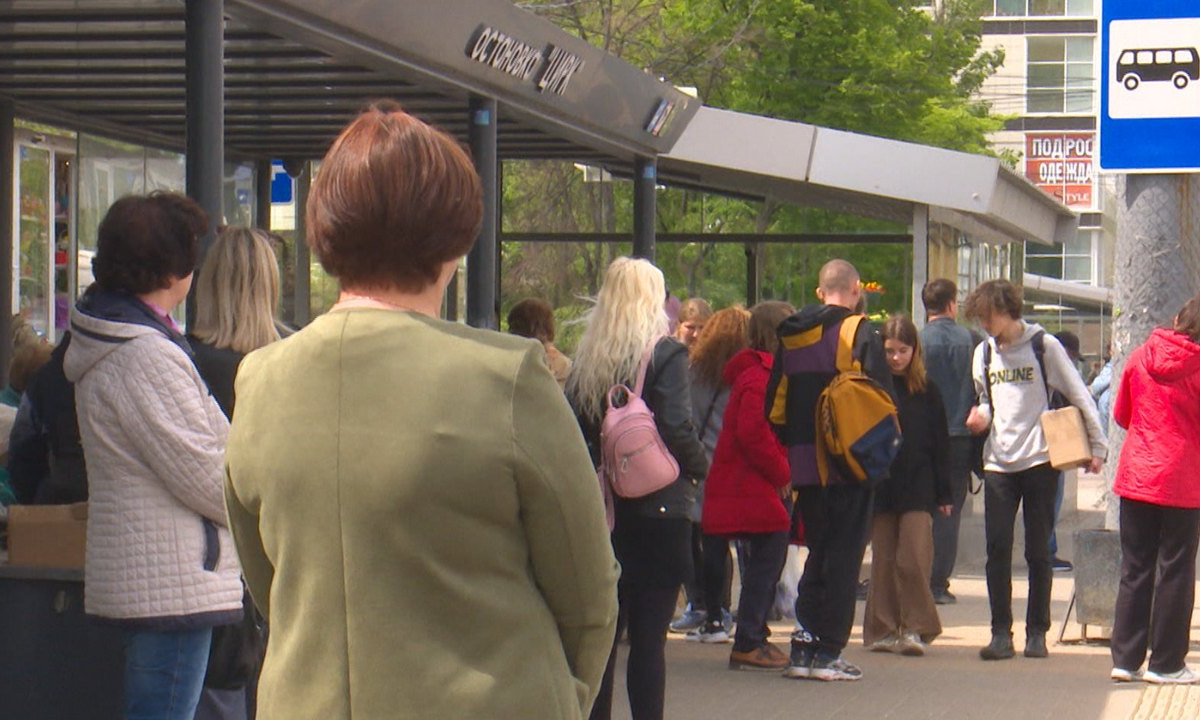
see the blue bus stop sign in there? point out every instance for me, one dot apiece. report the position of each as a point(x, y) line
point(1150, 86)
point(281, 184)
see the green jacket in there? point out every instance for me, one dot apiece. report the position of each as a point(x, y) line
point(418, 517)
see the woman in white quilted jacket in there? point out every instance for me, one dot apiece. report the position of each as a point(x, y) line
point(160, 561)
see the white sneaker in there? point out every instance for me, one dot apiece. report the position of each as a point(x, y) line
point(884, 644)
point(910, 644)
point(1183, 676)
point(1123, 675)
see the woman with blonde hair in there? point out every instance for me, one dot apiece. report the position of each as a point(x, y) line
point(901, 616)
point(723, 336)
point(237, 297)
point(628, 325)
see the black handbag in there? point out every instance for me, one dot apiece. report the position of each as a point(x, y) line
point(237, 650)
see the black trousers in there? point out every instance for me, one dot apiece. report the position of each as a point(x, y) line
point(945, 528)
point(696, 590)
point(836, 522)
point(1158, 580)
point(1033, 490)
point(761, 574)
point(646, 611)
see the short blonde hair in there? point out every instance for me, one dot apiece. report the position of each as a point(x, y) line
point(237, 291)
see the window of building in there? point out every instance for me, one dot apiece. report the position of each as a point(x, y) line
point(1060, 75)
point(1071, 261)
point(1035, 8)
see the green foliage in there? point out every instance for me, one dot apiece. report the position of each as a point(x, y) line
point(883, 67)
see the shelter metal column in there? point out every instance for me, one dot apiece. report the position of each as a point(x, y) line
point(645, 177)
point(754, 265)
point(205, 126)
point(7, 188)
point(483, 261)
point(920, 261)
point(302, 291)
point(262, 194)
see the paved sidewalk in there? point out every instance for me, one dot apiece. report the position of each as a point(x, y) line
point(949, 682)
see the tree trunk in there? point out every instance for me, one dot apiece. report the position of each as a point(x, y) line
point(1157, 271)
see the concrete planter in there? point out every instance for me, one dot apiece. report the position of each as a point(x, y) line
point(1097, 576)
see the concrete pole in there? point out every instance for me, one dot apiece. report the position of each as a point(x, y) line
point(1157, 271)
point(483, 259)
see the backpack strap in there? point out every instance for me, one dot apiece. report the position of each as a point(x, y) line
point(987, 374)
point(1039, 352)
point(846, 362)
point(641, 376)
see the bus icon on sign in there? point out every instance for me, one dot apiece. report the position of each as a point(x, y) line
point(1179, 66)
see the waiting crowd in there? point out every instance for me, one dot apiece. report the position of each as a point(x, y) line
point(388, 474)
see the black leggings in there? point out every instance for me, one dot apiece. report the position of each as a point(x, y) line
point(646, 612)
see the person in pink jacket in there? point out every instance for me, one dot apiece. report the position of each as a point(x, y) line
point(1158, 402)
point(747, 496)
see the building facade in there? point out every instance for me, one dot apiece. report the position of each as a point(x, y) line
point(1048, 88)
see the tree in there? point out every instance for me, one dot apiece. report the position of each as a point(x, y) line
point(885, 67)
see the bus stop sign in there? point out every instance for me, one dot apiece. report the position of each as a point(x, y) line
point(1150, 86)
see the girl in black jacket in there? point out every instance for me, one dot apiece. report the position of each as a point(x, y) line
point(901, 616)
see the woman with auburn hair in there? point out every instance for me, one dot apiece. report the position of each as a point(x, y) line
point(534, 318)
point(1158, 402)
point(723, 335)
point(391, 473)
point(650, 534)
point(748, 496)
point(900, 615)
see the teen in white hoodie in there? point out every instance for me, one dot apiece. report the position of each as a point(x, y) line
point(1016, 462)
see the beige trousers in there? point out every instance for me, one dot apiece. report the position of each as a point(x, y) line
point(899, 600)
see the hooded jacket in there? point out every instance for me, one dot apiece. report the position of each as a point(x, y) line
point(1019, 393)
point(1158, 401)
point(749, 465)
point(158, 552)
point(805, 364)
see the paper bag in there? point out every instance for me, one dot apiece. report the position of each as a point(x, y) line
point(1066, 438)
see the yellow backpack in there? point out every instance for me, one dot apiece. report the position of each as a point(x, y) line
point(858, 429)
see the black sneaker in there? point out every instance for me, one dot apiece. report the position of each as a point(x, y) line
point(800, 662)
point(1057, 564)
point(863, 588)
point(1000, 648)
point(944, 597)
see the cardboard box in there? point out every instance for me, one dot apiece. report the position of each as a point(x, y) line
point(52, 536)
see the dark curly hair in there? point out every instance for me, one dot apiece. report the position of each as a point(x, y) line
point(145, 241)
point(994, 296)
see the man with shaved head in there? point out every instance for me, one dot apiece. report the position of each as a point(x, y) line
point(836, 516)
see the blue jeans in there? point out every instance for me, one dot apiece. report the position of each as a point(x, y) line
point(164, 672)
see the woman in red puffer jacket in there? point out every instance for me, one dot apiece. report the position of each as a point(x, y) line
point(1158, 401)
point(747, 486)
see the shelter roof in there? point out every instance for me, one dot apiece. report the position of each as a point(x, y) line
point(297, 70)
point(863, 175)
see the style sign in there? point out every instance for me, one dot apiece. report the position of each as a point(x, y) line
point(1062, 165)
point(1149, 86)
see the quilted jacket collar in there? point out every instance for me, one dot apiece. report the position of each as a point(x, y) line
point(103, 320)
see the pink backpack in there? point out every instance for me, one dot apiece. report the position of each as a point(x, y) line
point(633, 456)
